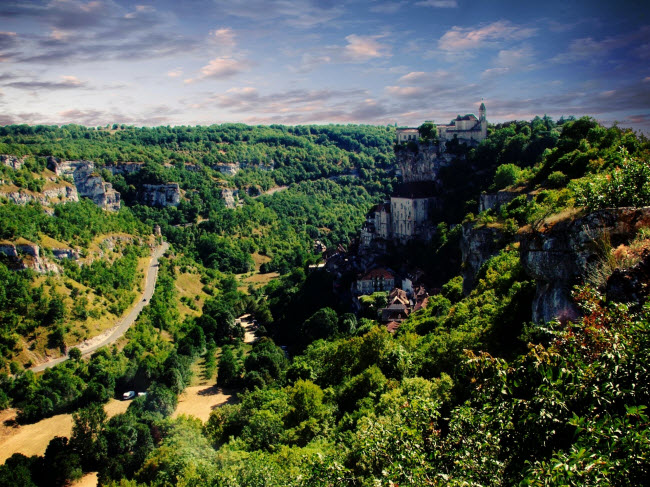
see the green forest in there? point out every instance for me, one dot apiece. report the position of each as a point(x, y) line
point(468, 391)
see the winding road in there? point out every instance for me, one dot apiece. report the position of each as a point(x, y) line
point(109, 336)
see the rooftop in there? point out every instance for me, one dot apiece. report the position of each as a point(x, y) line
point(379, 273)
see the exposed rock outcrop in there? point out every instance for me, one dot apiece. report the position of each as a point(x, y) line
point(124, 167)
point(423, 165)
point(12, 161)
point(226, 168)
point(160, 195)
point(631, 285)
point(489, 201)
point(70, 254)
point(26, 255)
point(228, 196)
point(558, 256)
point(58, 194)
point(477, 245)
point(89, 183)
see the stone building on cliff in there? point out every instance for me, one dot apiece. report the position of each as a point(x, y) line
point(466, 128)
point(406, 215)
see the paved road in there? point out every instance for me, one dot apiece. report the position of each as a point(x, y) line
point(117, 331)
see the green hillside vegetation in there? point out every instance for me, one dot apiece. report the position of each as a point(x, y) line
point(467, 392)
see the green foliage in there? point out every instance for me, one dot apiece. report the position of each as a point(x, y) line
point(506, 175)
point(627, 185)
point(230, 368)
point(428, 132)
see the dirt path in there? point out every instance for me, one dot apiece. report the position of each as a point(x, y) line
point(199, 401)
point(32, 439)
point(248, 324)
point(109, 336)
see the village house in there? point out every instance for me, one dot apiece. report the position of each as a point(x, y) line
point(375, 280)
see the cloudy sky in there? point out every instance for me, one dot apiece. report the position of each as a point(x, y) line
point(282, 61)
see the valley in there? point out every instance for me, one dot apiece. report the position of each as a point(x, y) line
point(467, 305)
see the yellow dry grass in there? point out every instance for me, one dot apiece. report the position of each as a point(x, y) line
point(200, 401)
point(88, 480)
point(189, 285)
point(32, 439)
point(50, 243)
point(259, 280)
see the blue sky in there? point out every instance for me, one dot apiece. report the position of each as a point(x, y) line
point(294, 62)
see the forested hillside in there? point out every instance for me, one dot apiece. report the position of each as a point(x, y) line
point(469, 390)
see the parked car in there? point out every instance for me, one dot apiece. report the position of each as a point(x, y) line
point(128, 395)
point(142, 394)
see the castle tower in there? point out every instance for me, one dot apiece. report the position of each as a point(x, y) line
point(482, 117)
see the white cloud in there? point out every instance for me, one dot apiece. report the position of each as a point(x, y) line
point(223, 67)
point(405, 91)
point(224, 36)
point(363, 48)
point(462, 39)
point(175, 73)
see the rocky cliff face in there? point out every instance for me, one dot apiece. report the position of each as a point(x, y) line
point(477, 245)
point(489, 201)
point(160, 195)
point(125, 167)
point(422, 165)
point(26, 255)
point(88, 183)
point(12, 161)
point(558, 256)
point(228, 196)
point(58, 194)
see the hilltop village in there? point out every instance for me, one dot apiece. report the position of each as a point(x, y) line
point(405, 217)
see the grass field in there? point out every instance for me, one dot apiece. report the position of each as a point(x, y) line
point(32, 439)
point(188, 285)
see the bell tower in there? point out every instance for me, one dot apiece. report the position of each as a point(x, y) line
point(482, 117)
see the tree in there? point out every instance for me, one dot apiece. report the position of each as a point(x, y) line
point(322, 324)
point(87, 440)
point(160, 399)
point(230, 368)
point(74, 353)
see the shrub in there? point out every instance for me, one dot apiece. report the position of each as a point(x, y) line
point(506, 175)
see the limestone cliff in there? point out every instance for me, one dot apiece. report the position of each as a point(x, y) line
point(558, 255)
point(124, 167)
point(478, 244)
point(12, 161)
point(89, 183)
point(26, 255)
point(160, 195)
point(422, 164)
point(228, 196)
point(54, 194)
point(489, 201)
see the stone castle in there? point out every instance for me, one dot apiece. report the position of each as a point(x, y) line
point(406, 215)
point(466, 128)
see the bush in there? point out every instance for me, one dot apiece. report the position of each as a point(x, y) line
point(506, 175)
point(627, 185)
point(557, 179)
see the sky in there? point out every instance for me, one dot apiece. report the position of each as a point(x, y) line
point(201, 62)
